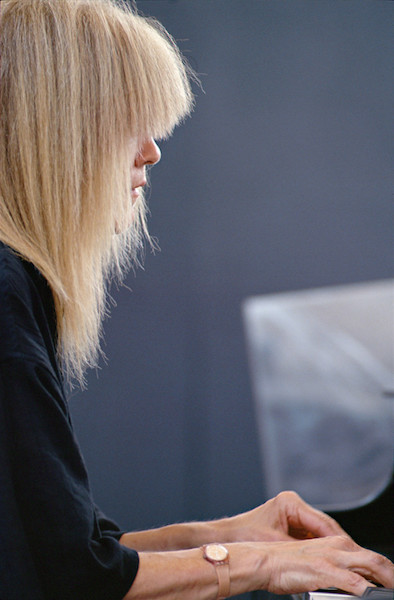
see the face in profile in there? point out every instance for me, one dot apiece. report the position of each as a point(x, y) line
point(148, 153)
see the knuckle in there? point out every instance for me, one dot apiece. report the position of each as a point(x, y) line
point(288, 495)
point(377, 559)
point(345, 542)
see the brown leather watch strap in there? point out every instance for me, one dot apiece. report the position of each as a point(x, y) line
point(223, 574)
point(218, 555)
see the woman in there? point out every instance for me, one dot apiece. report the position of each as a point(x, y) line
point(86, 87)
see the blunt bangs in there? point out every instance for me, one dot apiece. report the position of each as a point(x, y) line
point(158, 90)
point(144, 78)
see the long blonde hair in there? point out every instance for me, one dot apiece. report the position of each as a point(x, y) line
point(79, 81)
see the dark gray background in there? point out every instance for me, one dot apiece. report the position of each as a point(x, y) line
point(280, 181)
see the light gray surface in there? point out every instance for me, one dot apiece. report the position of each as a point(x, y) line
point(321, 361)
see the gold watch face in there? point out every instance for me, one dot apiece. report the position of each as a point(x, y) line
point(216, 552)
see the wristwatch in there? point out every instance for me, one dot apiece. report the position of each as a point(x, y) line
point(218, 555)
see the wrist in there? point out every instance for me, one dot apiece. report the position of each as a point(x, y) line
point(230, 530)
point(218, 556)
point(220, 531)
point(248, 567)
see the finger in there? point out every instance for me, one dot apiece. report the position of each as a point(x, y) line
point(303, 521)
point(312, 521)
point(349, 581)
point(372, 566)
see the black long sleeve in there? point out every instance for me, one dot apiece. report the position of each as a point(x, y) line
point(54, 542)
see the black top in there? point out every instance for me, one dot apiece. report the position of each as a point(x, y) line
point(54, 542)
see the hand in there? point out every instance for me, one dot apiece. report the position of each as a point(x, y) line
point(285, 517)
point(334, 561)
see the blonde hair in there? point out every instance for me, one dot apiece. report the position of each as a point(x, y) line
point(79, 81)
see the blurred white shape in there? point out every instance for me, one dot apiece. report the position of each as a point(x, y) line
point(322, 364)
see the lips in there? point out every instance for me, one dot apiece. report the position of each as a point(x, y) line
point(135, 192)
point(139, 184)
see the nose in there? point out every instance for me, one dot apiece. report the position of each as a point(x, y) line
point(149, 153)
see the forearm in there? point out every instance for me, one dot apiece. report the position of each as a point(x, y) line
point(277, 519)
point(184, 575)
point(180, 536)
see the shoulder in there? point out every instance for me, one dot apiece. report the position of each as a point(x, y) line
point(10, 264)
point(15, 290)
point(26, 310)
